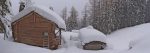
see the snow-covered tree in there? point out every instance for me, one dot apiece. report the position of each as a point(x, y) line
point(28, 3)
point(72, 20)
point(5, 11)
point(147, 19)
point(85, 20)
point(64, 14)
point(111, 15)
point(4, 7)
point(92, 10)
point(136, 11)
point(51, 8)
point(101, 14)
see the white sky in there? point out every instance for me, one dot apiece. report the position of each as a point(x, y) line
point(58, 5)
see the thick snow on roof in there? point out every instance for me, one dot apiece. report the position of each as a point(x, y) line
point(88, 34)
point(43, 11)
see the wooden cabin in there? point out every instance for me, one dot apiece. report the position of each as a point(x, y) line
point(36, 26)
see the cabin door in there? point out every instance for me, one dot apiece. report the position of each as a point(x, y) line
point(45, 39)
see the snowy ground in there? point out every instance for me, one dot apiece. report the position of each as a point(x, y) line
point(12, 47)
point(124, 38)
point(119, 42)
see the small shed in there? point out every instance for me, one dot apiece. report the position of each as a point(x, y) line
point(36, 25)
point(92, 39)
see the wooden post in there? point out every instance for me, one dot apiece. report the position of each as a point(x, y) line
point(60, 35)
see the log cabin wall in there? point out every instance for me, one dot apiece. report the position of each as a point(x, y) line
point(31, 28)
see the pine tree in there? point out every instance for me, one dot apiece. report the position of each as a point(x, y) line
point(5, 7)
point(93, 11)
point(136, 9)
point(111, 15)
point(64, 14)
point(147, 19)
point(85, 20)
point(72, 20)
point(102, 15)
point(28, 3)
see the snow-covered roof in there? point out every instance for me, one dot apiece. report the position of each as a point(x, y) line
point(88, 34)
point(43, 11)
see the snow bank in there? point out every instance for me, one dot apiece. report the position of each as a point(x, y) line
point(45, 12)
point(140, 45)
point(126, 35)
point(89, 34)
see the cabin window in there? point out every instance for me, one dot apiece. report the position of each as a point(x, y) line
point(45, 34)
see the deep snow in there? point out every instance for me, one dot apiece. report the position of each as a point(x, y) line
point(140, 45)
point(128, 40)
point(121, 38)
point(13, 47)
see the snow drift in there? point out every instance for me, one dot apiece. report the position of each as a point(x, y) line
point(140, 45)
point(126, 35)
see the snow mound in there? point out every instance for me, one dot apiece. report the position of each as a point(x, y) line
point(89, 34)
point(68, 37)
point(45, 12)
